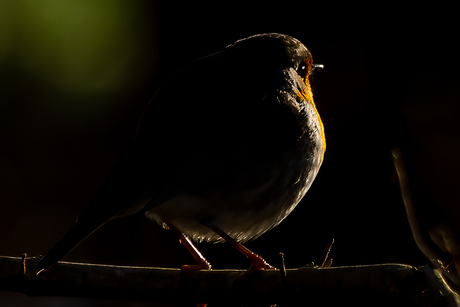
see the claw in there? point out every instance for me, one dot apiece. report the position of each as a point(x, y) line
point(258, 263)
point(196, 267)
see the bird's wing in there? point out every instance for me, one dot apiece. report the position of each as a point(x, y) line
point(170, 149)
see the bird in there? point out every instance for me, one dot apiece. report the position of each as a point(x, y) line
point(224, 151)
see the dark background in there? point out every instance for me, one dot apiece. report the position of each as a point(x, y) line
point(75, 76)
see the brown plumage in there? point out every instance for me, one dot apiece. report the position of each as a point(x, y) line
point(233, 141)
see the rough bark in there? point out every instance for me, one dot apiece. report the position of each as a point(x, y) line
point(372, 285)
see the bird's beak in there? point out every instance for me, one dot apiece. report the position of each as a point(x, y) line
point(315, 66)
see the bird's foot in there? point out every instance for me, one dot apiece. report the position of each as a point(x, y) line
point(205, 265)
point(258, 264)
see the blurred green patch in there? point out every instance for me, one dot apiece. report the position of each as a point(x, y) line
point(75, 56)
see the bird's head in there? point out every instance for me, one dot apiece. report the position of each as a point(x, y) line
point(277, 50)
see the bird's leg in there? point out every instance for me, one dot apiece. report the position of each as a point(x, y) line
point(202, 263)
point(258, 263)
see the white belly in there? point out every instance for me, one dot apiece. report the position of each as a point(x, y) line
point(242, 213)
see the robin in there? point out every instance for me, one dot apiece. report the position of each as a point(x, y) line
point(224, 151)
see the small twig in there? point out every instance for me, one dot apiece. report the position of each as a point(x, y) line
point(283, 270)
point(24, 257)
point(325, 262)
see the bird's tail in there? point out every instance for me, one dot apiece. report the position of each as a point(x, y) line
point(71, 239)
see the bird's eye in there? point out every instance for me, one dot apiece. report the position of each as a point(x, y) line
point(302, 71)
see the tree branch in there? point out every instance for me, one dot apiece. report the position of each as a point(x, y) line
point(371, 285)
